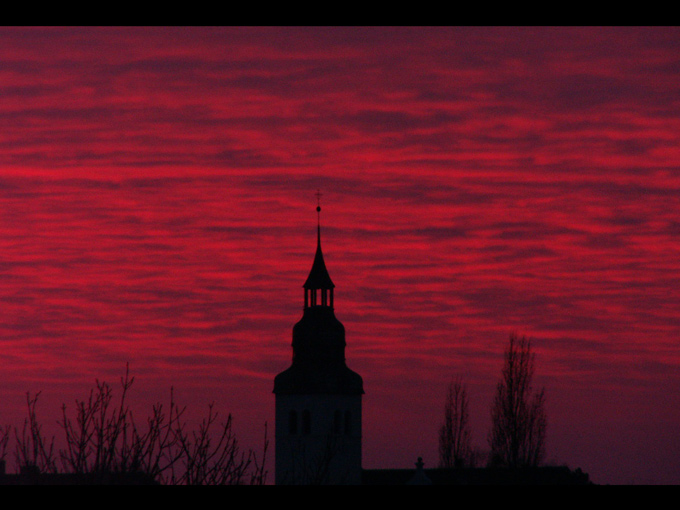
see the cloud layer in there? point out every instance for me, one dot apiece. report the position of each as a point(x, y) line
point(157, 207)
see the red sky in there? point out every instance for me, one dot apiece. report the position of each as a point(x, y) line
point(157, 207)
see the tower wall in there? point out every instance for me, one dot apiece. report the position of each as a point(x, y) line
point(318, 439)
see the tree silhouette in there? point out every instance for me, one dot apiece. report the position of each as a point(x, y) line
point(517, 436)
point(102, 440)
point(34, 453)
point(454, 435)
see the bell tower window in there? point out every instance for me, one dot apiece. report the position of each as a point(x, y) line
point(306, 422)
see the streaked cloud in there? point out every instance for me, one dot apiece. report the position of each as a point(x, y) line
point(157, 207)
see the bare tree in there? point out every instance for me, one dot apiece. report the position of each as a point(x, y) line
point(517, 436)
point(455, 449)
point(215, 460)
point(34, 452)
point(4, 441)
point(102, 439)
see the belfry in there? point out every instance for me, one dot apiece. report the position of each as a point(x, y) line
point(318, 399)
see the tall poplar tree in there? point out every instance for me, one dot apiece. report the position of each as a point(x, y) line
point(517, 436)
point(454, 435)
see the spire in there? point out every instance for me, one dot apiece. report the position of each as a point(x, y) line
point(318, 277)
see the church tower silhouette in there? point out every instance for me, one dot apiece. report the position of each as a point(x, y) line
point(318, 399)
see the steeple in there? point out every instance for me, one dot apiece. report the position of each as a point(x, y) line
point(318, 286)
point(318, 340)
point(318, 398)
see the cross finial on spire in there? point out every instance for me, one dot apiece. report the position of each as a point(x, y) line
point(318, 209)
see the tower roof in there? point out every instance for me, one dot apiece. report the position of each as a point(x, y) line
point(318, 277)
point(318, 342)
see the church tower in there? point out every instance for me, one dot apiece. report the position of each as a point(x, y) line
point(318, 399)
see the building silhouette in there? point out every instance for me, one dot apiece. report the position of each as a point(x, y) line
point(318, 399)
point(318, 412)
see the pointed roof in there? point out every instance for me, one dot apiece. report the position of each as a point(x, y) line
point(318, 277)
